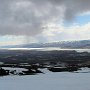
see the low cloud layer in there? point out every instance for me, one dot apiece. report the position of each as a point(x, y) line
point(61, 33)
point(30, 17)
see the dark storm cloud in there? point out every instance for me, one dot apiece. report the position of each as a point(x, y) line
point(28, 17)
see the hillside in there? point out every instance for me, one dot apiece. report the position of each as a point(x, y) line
point(82, 44)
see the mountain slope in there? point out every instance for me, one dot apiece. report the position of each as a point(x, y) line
point(82, 44)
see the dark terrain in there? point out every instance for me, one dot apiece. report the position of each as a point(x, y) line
point(55, 61)
point(35, 56)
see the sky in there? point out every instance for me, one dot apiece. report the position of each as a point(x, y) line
point(40, 21)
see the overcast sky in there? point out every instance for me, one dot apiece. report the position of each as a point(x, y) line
point(27, 21)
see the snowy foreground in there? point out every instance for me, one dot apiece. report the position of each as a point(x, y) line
point(47, 81)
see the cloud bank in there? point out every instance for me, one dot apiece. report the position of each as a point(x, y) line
point(30, 17)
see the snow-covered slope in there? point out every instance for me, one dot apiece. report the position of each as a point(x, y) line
point(48, 81)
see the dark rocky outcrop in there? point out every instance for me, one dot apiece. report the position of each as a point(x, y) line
point(4, 72)
point(63, 69)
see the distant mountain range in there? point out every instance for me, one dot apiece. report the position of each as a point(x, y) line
point(82, 44)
